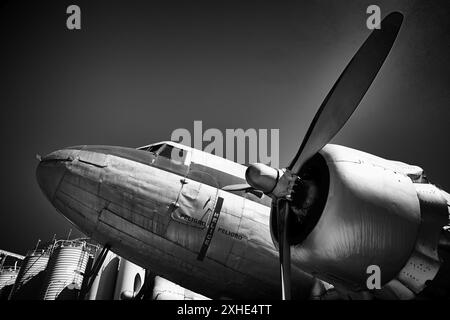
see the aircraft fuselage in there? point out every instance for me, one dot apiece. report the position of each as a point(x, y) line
point(210, 241)
point(162, 207)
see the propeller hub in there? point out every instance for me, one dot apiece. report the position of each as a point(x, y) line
point(262, 177)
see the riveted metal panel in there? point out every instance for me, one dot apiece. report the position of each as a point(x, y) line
point(393, 290)
point(424, 262)
point(94, 158)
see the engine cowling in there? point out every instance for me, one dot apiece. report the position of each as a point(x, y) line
point(367, 213)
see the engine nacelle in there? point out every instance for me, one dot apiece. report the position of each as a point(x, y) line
point(368, 214)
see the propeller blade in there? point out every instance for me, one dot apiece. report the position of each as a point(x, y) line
point(237, 187)
point(243, 187)
point(284, 248)
point(348, 90)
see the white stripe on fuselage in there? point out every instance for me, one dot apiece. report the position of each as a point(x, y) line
point(210, 160)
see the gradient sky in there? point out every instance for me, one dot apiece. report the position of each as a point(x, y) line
point(140, 69)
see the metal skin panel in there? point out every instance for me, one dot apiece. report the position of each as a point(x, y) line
point(434, 217)
point(136, 209)
point(165, 290)
point(371, 217)
point(345, 154)
point(213, 161)
point(96, 159)
point(424, 262)
point(394, 289)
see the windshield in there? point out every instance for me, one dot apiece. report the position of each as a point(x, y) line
point(153, 148)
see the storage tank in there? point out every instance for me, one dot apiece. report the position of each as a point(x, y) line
point(129, 280)
point(8, 276)
point(30, 277)
point(105, 281)
point(8, 272)
point(65, 270)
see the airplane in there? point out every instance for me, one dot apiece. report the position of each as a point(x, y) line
point(226, 230)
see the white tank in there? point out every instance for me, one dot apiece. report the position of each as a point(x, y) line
point(65, 270)
point(105, 281)
point(166, 290)
point(7, 278)
point(129, 280)
point(29, 279)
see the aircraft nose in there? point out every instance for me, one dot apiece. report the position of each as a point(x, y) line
point(50, 172)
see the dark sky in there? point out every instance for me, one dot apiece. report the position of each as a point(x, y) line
point(140, 69)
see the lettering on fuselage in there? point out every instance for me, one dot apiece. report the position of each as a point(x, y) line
point(192, 220)
point(201, 223)
point(231, 234)
point(211, 229)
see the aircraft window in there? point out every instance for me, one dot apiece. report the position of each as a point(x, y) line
point(154, 148)
point(175, 154)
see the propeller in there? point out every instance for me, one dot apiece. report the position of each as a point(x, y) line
point(335, 110)
point(348, 90)
point(243, 187)
point(237, 187)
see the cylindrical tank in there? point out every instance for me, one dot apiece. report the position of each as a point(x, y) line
point(129, 280)
point(105, 281)
point(65, 270)
point(7, 278)
point(30, 276)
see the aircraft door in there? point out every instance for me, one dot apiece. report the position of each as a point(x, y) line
point(174, 162)
point(192, 211)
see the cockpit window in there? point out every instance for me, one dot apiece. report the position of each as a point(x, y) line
point(154, 148)
point(175, 154)
point(168, 157)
